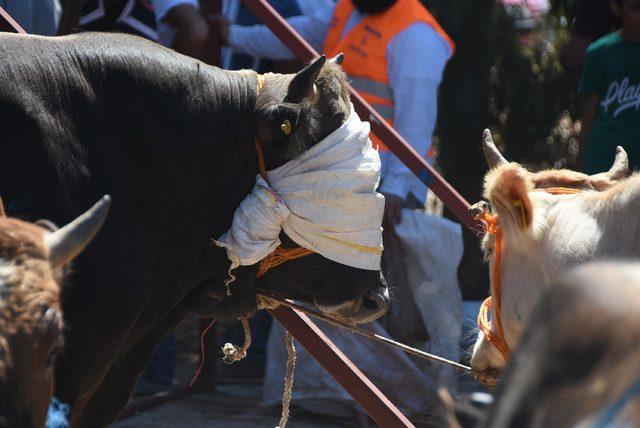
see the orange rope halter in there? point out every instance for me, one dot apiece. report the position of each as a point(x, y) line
point(279, 255)
point(492, 226)
point(493, 229)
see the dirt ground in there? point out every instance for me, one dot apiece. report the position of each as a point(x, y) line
point(232, 402)
point(228, 407)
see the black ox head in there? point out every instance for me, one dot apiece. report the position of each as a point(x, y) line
point(293, 113)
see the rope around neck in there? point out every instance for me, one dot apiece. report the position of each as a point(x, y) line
point(492, 225)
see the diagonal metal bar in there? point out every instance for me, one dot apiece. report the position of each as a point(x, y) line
point(340, 367)
point(8, 24)
point(420, 167)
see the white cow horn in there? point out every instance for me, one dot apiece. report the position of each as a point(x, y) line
point(620, 165)
point(491, 152)
point(66, 243)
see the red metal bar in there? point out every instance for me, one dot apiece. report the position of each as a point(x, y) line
point(383, 411)
point(8, 24)
point(425, 172)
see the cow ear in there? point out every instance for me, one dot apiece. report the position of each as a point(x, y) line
point(2, 212)
point(507, 188)
point(303, 84)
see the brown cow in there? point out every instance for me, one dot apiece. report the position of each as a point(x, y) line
point(31, 323)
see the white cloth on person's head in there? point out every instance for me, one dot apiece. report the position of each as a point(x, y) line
point(325, 200)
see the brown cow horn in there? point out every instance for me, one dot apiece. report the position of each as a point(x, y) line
point(66, 243)
point(620, 165)
point(491, 153)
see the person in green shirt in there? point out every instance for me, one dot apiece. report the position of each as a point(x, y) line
point(610, 83)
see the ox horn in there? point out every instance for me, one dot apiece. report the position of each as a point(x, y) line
point(491, 152)
point(302, 85)
point(620, 165)
point(66, 243)
point(337, 59)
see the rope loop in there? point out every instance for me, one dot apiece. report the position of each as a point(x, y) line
point(232, 353)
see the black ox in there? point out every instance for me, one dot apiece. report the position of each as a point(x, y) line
point(172, 140)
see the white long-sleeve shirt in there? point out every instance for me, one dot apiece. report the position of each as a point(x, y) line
point(416, 59)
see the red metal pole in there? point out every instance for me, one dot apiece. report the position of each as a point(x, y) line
point(8, 24)
point(425, 172)
point(383, 411)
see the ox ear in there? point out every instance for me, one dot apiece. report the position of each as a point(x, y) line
point(2, 212)
point(66, 243)
point(507, 188)
point(303, 84)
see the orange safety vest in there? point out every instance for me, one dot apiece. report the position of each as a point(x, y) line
point(365, 49)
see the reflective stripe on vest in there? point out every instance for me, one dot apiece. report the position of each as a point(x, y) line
point(379, 95)
point(372, 87)
point(365, 49)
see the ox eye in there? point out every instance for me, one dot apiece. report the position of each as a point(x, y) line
point(286, 127)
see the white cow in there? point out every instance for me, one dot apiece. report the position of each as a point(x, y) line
point(546, 228)
point(578, 362)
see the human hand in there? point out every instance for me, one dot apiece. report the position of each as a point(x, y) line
point(222, 24)
point(392, 210)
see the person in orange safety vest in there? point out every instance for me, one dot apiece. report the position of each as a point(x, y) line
point(395, 55)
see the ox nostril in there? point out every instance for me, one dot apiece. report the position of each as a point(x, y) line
point(374, 300)
point(369, 303)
